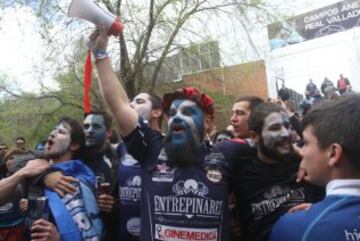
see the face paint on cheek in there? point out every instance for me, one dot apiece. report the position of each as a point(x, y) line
point(276, 130)
point(61, 140)
point(95, 130)
point(185, 132)
point(188, 117)
point(271, 139)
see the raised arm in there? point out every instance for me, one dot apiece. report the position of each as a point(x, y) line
point(110, 86)
point(9, 186)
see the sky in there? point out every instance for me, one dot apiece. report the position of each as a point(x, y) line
point(22, 50)
point(20, 45)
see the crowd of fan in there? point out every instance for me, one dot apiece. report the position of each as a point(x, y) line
point(270, 175)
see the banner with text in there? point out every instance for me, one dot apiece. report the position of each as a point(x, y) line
point(328, 20)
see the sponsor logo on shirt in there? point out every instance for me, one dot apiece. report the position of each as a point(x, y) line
point(216, 156)
point(133, 226)
point(132, 191)
point(163, 173)
point(163, 232)
point(190, 200)
point(352, 235)
point(277, 196)
point(214, 175)
point(5, 208)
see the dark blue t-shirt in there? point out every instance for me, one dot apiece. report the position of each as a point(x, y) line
point(264, 192)
point(10, 215)
point(182, 203)
point(129, 179)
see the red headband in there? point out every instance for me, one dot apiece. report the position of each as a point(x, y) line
point(204, 101)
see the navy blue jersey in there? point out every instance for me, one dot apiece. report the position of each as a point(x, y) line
point(10, 215)
point(182, 203)
point(129, 179)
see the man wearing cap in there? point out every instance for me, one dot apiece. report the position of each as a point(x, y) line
point(184, 182)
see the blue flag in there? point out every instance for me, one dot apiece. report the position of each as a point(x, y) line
point(76, 215)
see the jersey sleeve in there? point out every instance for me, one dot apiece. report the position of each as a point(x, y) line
point(237, 152)
point(143, 143)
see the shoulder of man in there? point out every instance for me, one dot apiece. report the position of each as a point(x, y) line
point(289, 227)
point(21, 160)
point(237, 150)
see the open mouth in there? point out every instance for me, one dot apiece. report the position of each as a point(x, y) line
point(177, 129)
point(49, 143)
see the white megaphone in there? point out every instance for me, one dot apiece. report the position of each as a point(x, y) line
point(88, 10)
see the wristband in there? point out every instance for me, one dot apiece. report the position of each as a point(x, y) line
point(100, 54)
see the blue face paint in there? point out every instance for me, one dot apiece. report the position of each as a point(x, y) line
point(186, 130)
point(95, 131)
point(186, 120)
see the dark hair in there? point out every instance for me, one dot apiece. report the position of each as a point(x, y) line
point(337, 121)
point(77, 134)
point(284, 94)
point(106, 116)
point(252, 100)
point(258, 115)
point(156, 104)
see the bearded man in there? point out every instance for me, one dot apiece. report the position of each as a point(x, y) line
point(266, 186)
point(185, 182)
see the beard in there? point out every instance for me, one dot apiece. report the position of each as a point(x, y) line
point(58, 152)
point(275, 154)
point(183, 154)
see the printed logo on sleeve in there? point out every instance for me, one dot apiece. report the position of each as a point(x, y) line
point(163, 232)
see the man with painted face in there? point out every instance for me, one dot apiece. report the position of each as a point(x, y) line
point(100, 158)
point(266, 186)
point(98, 155)
point(77, 214)
point(79, 219)
point(149, 107)
point(104, 161)
point(184, 183)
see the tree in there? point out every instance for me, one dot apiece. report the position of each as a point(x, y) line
point(33, 115)
point(154, 30)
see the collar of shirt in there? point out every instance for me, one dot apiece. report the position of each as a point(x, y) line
point(343, 187)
